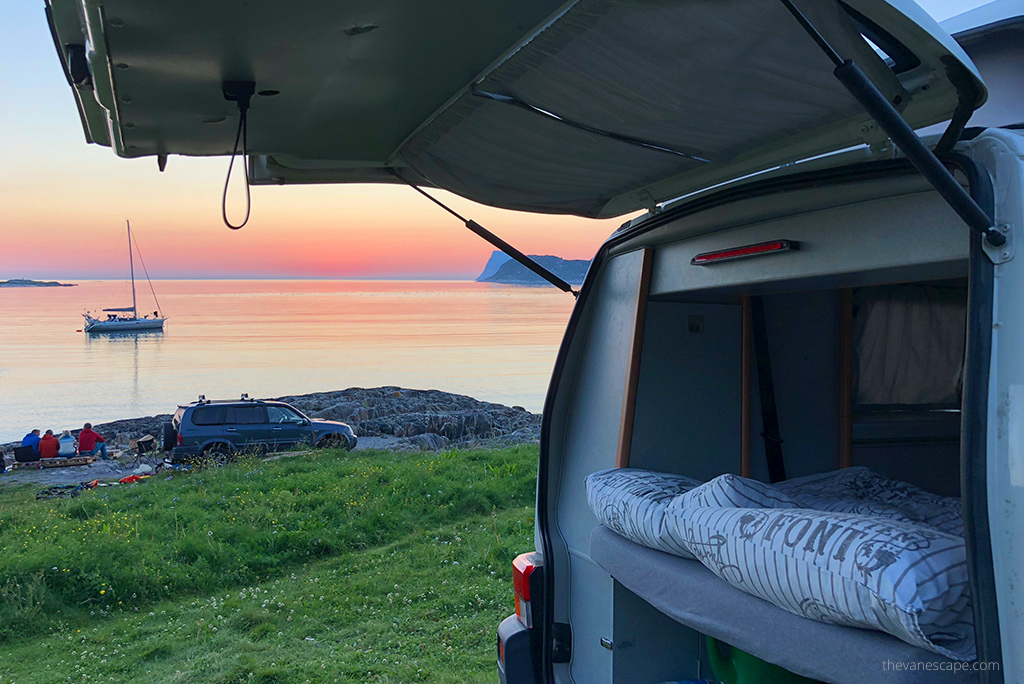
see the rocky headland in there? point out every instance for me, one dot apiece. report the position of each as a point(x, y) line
point(500, 268)
point(24, 282)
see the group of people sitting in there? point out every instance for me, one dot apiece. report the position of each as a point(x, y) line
point(88, 443)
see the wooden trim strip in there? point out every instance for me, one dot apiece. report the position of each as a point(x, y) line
point(745, 385)
point(636, 345)
point(845, 378)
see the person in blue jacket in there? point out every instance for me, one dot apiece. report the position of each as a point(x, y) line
point(32, 439)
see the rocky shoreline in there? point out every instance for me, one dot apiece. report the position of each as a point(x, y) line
point(394, 418)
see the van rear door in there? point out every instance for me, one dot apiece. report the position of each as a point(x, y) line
point(591, 107)
point(999, 411)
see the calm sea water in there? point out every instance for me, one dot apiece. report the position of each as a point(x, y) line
point(270, 338)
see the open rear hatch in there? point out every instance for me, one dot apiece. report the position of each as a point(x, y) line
point(594, 108)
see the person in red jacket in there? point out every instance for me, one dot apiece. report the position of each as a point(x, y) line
point(89, 442)
point(49, 445)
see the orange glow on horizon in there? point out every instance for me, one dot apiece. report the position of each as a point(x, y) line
point(356, 231)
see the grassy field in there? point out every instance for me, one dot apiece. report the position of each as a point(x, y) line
point(325, 567)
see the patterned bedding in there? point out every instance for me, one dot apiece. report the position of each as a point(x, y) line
point(850, 547)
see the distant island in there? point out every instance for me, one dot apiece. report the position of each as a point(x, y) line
point(24, 282)
point(501, 268)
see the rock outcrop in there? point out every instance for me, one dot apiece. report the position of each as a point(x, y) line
point(420, 419)
point(496, 261)
point(398, 412)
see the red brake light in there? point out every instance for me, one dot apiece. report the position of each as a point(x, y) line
point(181, 440)
point(522, 568)
point(760, 248)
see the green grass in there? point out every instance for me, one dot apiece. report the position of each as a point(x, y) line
point(325, 567)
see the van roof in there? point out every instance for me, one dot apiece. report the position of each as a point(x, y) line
point(590, 107)
point(984, 20)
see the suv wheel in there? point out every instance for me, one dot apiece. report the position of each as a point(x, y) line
point(217, 455)
point(336, 441)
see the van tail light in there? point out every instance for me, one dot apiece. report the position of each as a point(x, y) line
point(527, 576)
point(521, 636)
point(181, 440)
point(761, 248)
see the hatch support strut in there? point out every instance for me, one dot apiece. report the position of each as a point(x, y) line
point(903, 136)
point(493, 239)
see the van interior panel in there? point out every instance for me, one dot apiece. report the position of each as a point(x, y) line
point(640, 630)
point(671, 418)
point(865, 241)
point(688, 401)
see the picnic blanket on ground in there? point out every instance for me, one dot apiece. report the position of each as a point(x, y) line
point(66, 491)
point(850, 547)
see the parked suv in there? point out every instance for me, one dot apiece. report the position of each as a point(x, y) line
point(223, 428)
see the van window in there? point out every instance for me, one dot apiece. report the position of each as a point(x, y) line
point(247, 415)
point(208, 415)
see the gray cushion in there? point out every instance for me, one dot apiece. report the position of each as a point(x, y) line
point(691, 594)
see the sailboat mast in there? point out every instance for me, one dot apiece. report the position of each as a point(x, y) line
point(131, 266)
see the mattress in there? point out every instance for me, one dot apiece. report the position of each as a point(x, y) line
point(850, 548)
point(691, 594)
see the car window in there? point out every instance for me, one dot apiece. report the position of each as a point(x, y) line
point(247, 415)
point(208, 415)
point(283, 415)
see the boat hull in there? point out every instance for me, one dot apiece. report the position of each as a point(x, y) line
point(123, 326)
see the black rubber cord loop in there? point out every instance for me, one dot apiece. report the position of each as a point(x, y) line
point(243, 131)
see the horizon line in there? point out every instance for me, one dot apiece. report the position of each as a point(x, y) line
point(248, 277)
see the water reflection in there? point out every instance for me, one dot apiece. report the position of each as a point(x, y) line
point(124, 346)
point(273, 338)
point(121, 335)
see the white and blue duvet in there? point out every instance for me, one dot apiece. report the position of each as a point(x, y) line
point(850, 547)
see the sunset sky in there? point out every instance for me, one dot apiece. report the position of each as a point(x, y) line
point(63, 203)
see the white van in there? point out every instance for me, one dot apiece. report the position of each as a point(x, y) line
point(802, 309)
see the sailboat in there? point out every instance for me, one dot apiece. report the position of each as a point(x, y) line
point(126, 319)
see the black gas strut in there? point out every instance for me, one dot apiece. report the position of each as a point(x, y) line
point(903, 136)
point(493, 239)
